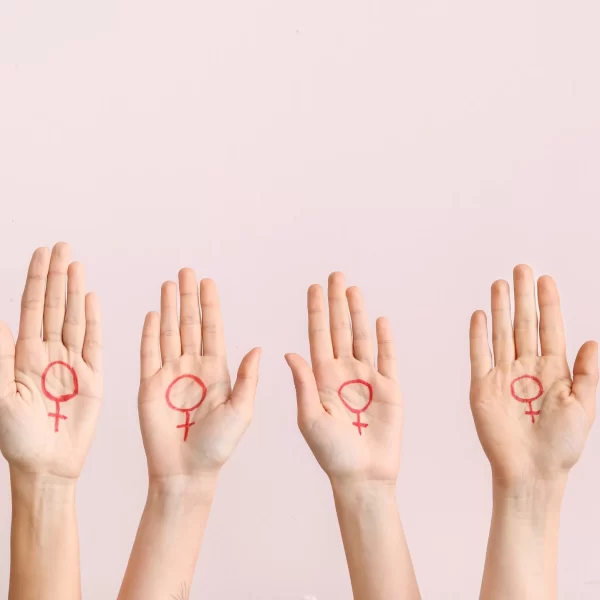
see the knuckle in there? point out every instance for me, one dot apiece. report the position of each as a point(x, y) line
point(169, 333)
point(190, 320)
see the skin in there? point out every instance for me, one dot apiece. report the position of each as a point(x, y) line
point(183, 474)
point(363, 469)
point(530, 461)
point(58, 322)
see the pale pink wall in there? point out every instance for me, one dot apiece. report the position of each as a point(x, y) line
point(422, 147)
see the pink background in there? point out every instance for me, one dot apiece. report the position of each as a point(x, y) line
point(422, 147)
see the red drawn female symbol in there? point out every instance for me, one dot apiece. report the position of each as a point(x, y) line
point(187, 411)
point(528, 401)
point(64, 397)
point(358, 424)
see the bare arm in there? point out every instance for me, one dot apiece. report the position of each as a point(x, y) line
point(378, 558)
point(191, 422)
point(350, 414)
point(522, 557)
point(168, 540)
point(50, 395)
point(532, 417)
point(44, 562)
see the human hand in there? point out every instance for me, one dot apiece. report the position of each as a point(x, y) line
point(532, 418)
point(349, 412)
point(191, 419)
point(51, 381)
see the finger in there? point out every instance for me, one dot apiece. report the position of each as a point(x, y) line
point(502, 331)
point(73, 332)
point(170, 342)
point(7, 361)
point(319, 336)
point(339, 318)
point(585, 377)
point(244, 389)
point(213, 334)
point(386, 351)
point(526, 320)
point(150, 347)
point(552, 329)
point(92, 342)
point(56, 292)
point(362, 342)
point(189, 305)
point(307, 394)
point(481, 359)
point(32, 303)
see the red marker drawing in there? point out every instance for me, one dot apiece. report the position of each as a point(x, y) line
point(528, 401)
point(187, 411)
point(358, 424)
point(64, 397)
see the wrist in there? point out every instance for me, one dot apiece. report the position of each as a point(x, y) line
point(43, 532)
point(364, 490)
point(182, 491)
point(32, 491)
point(538, 501)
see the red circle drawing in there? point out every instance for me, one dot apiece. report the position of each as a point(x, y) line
point(528, 401)
point(358, 424)
point(63, 397)
point(187, 411)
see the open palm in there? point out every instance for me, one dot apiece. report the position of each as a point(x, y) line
point(532, 418)
point(191, 418)
point(51, 382)
point(349, 412)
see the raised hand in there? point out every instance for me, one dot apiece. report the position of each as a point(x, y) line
point(191, 422)
point(532, 417)
point(350, 414)
point(191, 418)
point(51, 381)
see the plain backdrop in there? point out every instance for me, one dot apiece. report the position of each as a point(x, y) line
point(422, 147)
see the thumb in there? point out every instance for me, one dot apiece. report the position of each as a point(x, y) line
point(244, 390)
point(585, 376)
point(7, 361)
point(307, 394)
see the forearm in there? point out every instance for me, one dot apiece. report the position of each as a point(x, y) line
point(522, 553)
point(378, 558)
point(44, 540)
point(168, 541)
